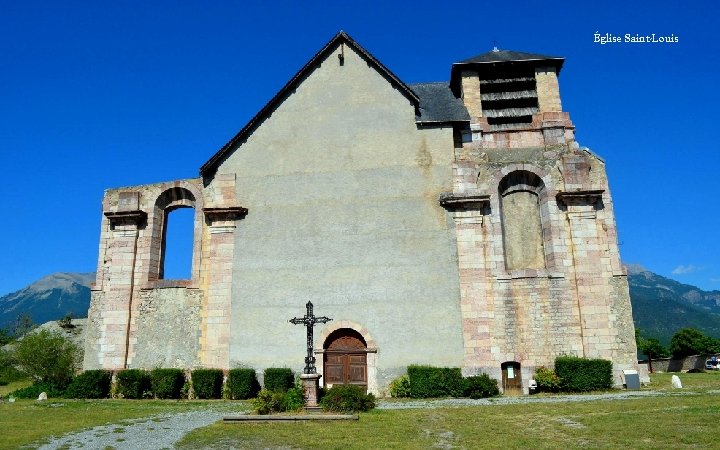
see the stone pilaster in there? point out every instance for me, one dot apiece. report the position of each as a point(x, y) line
point(548, 89)
point(471, 95)
point(588, 248)
point(215, 315)
point(468, 212)
point(119, 281)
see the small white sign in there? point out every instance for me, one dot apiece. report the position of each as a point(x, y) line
point(510, 372)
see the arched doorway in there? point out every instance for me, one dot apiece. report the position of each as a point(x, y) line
point(511, 379)
point(345, 359)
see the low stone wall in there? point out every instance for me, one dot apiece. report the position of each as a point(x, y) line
point(679, 364)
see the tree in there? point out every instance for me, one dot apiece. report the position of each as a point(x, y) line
point(5, 337)
point(650, 347)
point(47, 357)
point(23, 324)
point(689, 341)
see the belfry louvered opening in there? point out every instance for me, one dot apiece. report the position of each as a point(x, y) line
point(509, 100)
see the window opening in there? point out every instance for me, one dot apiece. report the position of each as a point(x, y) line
point(178, 241)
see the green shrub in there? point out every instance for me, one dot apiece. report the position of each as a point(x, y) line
point(294, 398)
point(133, 383)
point(207, 383)
point(400, 387)
point(4, 383)
point(583, 374)
point(47, 357)
point(347, 398)
point(547, 380)
point(242, 384)
point(268, 402)
point(90, 384)
point(426, 381)
point(35, 389)
point(8, 372)
point(167, 383)
point(278, 379)
point(480, 386)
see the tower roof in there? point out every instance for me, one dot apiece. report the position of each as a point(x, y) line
point(501, 56)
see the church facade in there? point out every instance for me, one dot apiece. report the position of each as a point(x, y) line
point(450, 224)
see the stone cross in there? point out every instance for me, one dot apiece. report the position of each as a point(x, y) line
point(309, 320)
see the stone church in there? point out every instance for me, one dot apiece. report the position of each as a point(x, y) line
point(455, 223)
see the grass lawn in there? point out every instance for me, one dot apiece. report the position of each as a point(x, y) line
point(681, 419)
point(687, 419)
point(14, 386)
point(28, 421)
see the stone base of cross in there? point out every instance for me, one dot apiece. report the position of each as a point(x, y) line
point(311, 388)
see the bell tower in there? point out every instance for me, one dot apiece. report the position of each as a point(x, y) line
point(513, 99)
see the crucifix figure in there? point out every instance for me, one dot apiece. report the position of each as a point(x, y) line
point(309, 320)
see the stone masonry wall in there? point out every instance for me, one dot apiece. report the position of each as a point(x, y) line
point(578, 303)
point(168, 328)
point(137, 318)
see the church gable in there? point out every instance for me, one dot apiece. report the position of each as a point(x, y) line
point(337, 72)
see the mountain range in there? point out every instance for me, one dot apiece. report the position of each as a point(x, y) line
point(661, 306)
point(49, 298)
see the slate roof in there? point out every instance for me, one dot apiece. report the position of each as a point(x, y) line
point(438, 104)
point(343, 37)
point(496, 56)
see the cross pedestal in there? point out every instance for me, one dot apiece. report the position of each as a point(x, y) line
point(311, 385)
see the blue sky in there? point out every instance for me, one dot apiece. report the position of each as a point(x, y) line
point(105, 94)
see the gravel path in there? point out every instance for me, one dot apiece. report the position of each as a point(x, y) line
point(457, 402)
point(163, 431)
point(149, 433)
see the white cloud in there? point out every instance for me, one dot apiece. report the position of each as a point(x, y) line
point(715, 280)
point(682, 269)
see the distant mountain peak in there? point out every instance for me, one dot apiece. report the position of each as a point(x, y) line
point(49, 298)
point(635, 269)
point(61, 280)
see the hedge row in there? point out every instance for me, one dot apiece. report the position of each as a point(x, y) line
point(90, 384)
point(427, 381)
point(242, 384)
point(278, 379)
point(169, 384)
point(583, 374)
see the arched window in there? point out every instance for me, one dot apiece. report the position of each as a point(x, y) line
point(178, 251)
point(520, 194)
point(173, 231)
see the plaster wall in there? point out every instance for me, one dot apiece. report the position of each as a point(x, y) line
point(341, 189)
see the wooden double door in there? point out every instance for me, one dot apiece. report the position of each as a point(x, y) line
point(345, 359)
